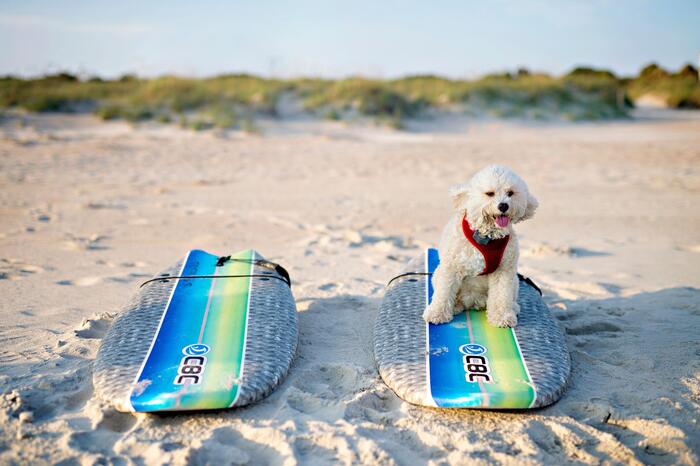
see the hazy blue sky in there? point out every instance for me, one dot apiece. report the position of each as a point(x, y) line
point(331, 38)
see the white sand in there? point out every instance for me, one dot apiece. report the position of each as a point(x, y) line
point(89, 209)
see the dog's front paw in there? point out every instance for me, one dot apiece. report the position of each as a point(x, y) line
point(436, 314)
point(508, 319)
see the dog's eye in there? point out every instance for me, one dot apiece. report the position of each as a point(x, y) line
point(510, 193)
point(490, 193)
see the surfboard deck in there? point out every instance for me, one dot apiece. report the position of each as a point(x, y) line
point(467, 363)
point(223, 335)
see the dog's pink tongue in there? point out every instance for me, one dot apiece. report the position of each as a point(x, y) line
point(502, 221)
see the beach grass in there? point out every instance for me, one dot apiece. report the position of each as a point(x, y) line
point(575, 96)
point(237, 100)
point(676, 90)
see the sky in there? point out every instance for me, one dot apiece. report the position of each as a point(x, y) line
point(327, 38)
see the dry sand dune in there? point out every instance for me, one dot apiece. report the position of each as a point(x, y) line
point(90, 209)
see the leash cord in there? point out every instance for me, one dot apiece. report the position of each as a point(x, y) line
point(188, 277)
point(284, 275)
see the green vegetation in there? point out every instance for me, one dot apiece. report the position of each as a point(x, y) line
point(235, 101)
point(677, 90)
point(362, 96)
point(579, 95)
point(218, 99)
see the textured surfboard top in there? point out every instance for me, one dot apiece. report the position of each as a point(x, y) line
point(401, 349)
point(271, 335)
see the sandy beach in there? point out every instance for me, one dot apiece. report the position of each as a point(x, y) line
point(89, 210)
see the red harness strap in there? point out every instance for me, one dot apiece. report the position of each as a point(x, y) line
point(492, 251)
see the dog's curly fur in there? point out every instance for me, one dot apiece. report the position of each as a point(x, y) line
point(457, 282)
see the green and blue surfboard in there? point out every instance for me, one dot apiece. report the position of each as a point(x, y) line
point(467, 363)
point(471, 363)
point(215, 332)
point(206, 320)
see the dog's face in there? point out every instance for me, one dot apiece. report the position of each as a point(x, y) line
point(493, 199)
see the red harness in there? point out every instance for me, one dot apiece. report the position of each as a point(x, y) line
point(492, 251)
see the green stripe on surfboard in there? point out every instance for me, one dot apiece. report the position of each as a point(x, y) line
point(224, 331)
point(227, 322)
point(511, 386)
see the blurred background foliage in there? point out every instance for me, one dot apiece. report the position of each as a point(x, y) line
point(236, 100)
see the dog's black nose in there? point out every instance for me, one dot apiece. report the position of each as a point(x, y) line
point(503, 207)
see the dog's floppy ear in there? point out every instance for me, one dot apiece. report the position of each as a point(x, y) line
point(458, 192)
point(532, 205)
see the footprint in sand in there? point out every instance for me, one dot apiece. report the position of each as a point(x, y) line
point(308, 451)
point(41, 216)
point(544, 250)
point(575, 290)
point(380, 241)
point(94, 327)
point(86, 281)
point(593, 328)
point(375, 405)
point(689, 248)
point(307, 403)
point(327, 238)
point(229, 446)
point(93, 242)
point(126, 264)
point(326, 388)
point(341, 378)
point(92, 281)
point(107, 205)
point(133, 264)
point(15, 269)
point(93, 441)
point(128, 277)
point(114, 421)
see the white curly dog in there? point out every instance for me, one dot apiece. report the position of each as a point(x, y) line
point(479, 249)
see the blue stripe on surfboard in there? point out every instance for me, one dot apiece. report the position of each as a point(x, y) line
point(155, 387)
point(448, 385)
point(431, 263)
